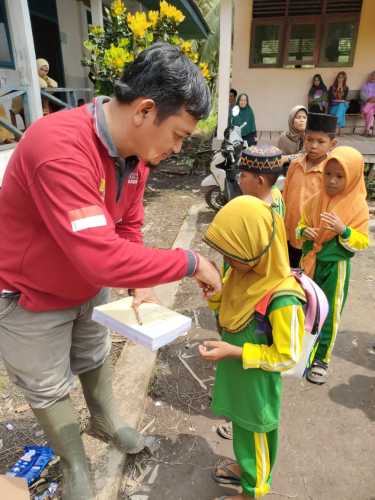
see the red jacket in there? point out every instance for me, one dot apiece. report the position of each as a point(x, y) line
point(63, 235)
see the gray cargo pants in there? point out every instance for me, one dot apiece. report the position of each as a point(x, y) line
point(42, 351)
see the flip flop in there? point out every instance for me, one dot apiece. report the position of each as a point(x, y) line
point(317, 373)
point(229, 478)
point(225, 430)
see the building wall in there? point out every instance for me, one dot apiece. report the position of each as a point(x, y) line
point(71, 26)
point(274, 91)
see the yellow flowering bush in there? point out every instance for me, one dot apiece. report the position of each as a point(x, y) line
point(126, 34)
point(171, 12)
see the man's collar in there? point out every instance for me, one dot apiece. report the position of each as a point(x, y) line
point(101, 127)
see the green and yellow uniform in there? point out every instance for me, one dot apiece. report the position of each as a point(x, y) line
point(247, 391)
point(327, 259)
point(332, 274)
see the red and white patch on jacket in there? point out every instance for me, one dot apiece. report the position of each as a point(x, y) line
point(87, 217)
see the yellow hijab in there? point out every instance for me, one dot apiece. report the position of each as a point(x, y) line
point(248, 230)
point(350, 205)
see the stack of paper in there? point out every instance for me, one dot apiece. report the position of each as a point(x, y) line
point(159, 327)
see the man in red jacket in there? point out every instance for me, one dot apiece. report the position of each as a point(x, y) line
point(71, 215)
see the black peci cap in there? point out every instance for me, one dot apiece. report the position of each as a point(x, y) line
point(263, 159)
point(320, 122)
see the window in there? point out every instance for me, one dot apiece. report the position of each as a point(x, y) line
point(301, 43)
point(304, 33)
point(266, 44)
point(338, 43)
point(6, 55)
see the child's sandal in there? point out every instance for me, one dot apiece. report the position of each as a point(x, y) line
point(229, 477)
point(225, 430)
point(317, 373)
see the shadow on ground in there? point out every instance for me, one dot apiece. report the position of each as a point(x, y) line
point(358, 393)
point(356, 347)
point(182, 469)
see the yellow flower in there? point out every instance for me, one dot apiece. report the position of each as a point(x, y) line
point(153, 16)
point(116, 57)
point(118, 7)
point(205, 70)
point(96, 30)
point(138, 24)
point(186, 47)
point(170, 11)
point(194, 57)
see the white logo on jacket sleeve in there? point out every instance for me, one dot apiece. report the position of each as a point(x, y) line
point(87, 217)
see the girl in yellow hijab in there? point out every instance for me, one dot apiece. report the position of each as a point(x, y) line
point(247, 391)
point(334, 226)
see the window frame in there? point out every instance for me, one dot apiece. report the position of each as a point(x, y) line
point(292, 21)
point(273, 21)
point(336, 18)
point(285, 23)
point(7, 64)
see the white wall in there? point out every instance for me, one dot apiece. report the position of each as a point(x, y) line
point(274, 91)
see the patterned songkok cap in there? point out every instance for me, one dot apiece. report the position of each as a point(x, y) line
point(262, 159)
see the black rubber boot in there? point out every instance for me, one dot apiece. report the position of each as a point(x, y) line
point(106, 424)
point(61, 427)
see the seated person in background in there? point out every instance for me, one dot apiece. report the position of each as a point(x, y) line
point(368, 103)
point(246, 120)
point(45, 82)
point(318, 96)
point(291, 142)
point(305, 176)
point(338, 94)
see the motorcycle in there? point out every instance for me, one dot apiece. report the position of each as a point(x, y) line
point(221, 184)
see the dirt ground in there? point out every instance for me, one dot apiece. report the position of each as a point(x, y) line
point(327, 438)
point(327, 433)
point(170, 192)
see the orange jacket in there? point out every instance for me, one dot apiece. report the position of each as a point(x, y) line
point(300, 185)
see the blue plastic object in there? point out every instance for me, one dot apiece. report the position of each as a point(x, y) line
point(34, 460)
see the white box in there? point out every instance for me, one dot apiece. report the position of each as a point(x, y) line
point(159, 327)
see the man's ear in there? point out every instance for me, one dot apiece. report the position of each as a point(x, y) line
point(143, 110)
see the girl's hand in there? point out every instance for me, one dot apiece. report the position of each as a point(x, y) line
point(219, 350)
point(310, 233)
point(332, 222)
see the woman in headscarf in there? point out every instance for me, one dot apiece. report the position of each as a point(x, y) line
point(333, 227)
point(338, 94)
point(246, 120)
point(252, 239)
point(318, 96)
point(291, 142)
point(368, 103)
point(45, 82)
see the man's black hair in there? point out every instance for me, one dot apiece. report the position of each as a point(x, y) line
point(165, 75)
point(234, 92)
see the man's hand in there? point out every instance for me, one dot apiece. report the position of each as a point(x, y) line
point(142, 295)
point(214, 350)
point(332, 222)
point(208, 277)
point(310, 233)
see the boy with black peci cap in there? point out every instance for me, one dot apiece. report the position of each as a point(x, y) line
point(305, 175)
